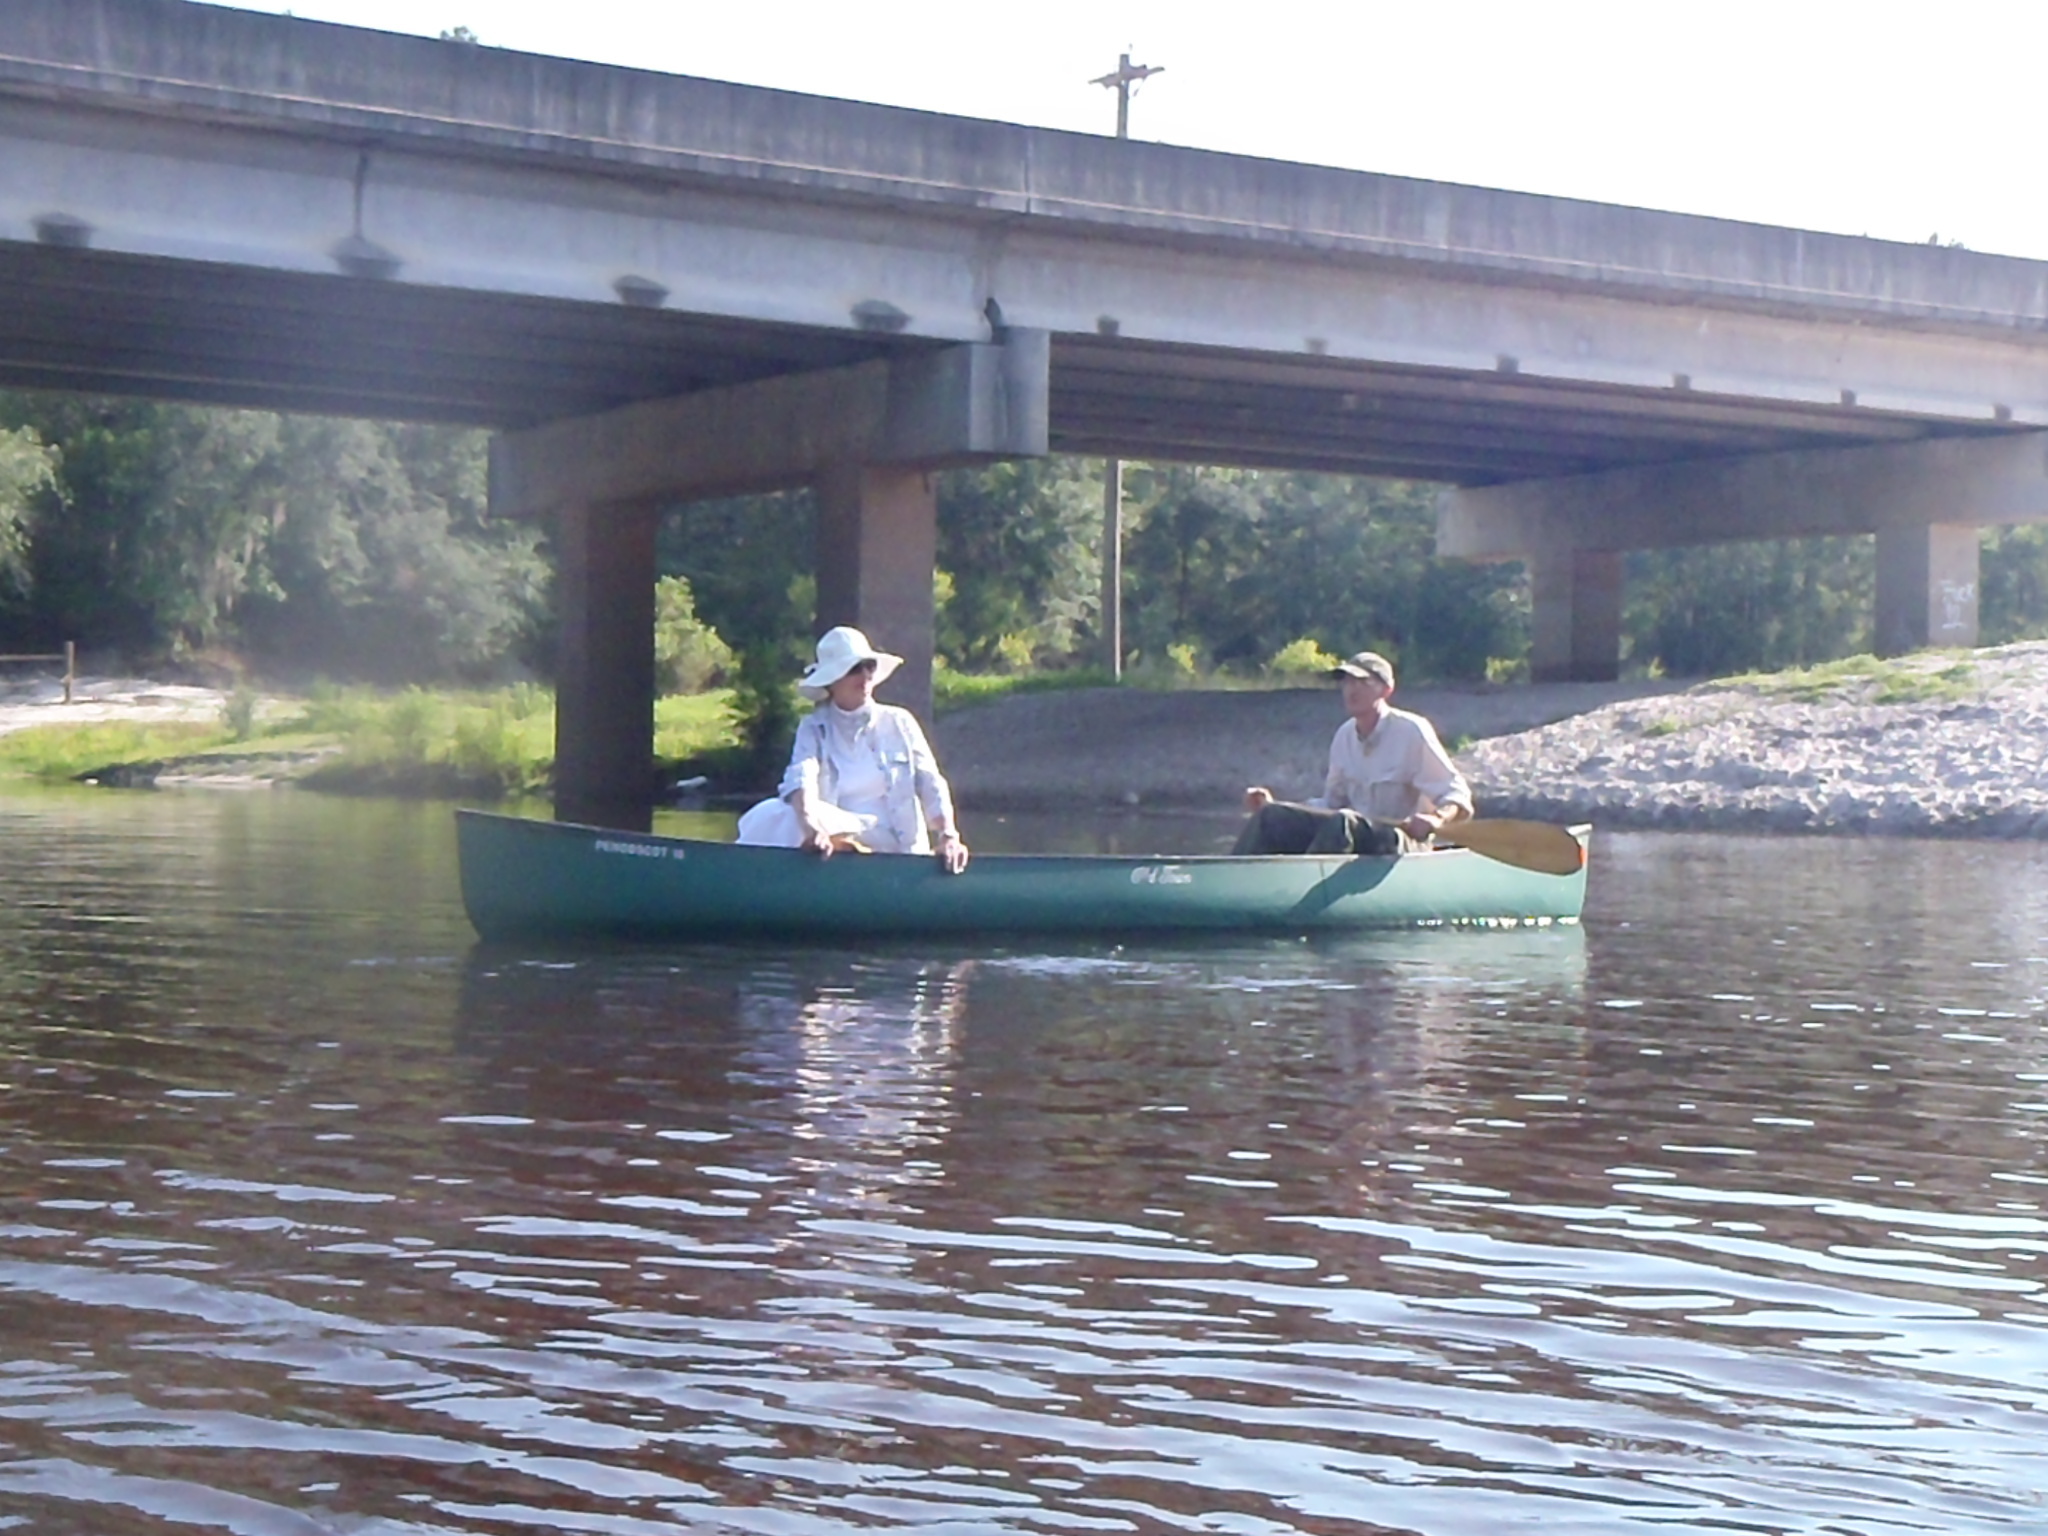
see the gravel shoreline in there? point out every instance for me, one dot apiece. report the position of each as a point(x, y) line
point(1829, 752)
point(1944, 743)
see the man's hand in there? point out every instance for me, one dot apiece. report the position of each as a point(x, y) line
point(952, 853)
point(1422, 826)
point(817, 840)
point(1257, 798)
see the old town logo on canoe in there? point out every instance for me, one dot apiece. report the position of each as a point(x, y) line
point(1161, 874)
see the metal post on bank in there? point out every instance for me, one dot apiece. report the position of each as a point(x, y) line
point(1121, 80)
point(69, 656)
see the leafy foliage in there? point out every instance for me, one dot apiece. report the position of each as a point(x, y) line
point(28, 470)
point(346, 546)
point(2013, 604)
point(748, 563)
point(1302, 658)
point(1710, 611)
point(1244, 562)
point(765, 710)
point(1020, 549)
point(689, 656)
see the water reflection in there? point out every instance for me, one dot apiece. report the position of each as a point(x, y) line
point(1722, 1213)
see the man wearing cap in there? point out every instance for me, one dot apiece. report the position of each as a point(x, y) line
point(1390, 785)
point(861, 774)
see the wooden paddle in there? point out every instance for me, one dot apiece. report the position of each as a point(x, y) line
point(1526, 844)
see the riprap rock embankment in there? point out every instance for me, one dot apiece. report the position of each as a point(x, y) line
point(1940, 743)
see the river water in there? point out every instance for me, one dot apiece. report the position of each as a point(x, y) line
point(1722, 1213)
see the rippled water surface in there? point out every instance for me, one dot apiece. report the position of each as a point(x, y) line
point(1724, 1213)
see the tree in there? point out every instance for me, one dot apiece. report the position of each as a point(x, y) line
point(1020, 552)
point(385, 561)
point(2013, 604)
point(28, 472)
point(313, 543)
point(1709, 611)
point(689, 655)
point(748, 562)
point(1241, 563)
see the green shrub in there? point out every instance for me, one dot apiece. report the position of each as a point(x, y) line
point(765, 708)
point(1301, 658)
point(238, 713)
point(1013, 652)
point(689, 656)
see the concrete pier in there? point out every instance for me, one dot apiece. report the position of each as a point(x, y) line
point(1575, 623)
point(878, 540)
point(604, 685)
point(1927, 585)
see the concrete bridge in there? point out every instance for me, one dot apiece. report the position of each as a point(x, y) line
point(657, 289)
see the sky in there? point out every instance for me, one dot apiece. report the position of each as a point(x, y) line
point(1903, 121)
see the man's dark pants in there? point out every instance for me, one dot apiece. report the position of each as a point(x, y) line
point(1285, 827)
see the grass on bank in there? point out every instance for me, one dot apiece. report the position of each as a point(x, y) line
point(58, 752)
point(488, 744)
point(496, 743)
point(485, 743)
point(1870, 679)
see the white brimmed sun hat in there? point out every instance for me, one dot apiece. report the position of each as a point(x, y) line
point(840, 650)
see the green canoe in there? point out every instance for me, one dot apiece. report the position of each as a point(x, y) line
point(535, 878)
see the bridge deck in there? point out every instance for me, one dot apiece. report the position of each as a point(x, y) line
point(230, 207)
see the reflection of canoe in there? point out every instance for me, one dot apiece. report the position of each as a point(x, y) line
point(524, 877)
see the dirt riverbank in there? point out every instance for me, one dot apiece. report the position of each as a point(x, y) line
point(1109, 747)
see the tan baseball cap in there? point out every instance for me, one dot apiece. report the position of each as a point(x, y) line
point(1366, 664)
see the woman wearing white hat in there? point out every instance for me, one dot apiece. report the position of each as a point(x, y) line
point(860, 772)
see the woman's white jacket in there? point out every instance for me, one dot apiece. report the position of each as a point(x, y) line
point(917, 796)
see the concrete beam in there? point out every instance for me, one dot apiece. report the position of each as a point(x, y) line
point(929, 409)
point(1971, 481)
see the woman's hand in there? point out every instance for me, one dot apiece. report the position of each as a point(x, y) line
point(817, 840)
point(1257, 798)
point(952, 853)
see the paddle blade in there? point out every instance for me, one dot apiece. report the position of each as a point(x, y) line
point(1526, 844)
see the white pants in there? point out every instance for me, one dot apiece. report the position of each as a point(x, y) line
point(775, 824)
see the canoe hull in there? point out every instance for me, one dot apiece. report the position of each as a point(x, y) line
point(523, 878)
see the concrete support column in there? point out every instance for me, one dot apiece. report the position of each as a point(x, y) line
point(604, 683)
point(878, 541)
point(1575, 631)
point(1926, 587)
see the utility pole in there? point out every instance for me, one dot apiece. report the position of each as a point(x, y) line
point(1125, 76)
point(1121, 80)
